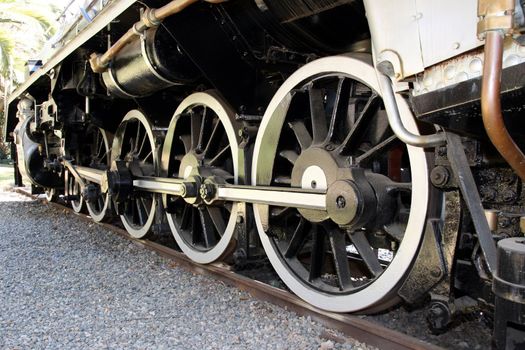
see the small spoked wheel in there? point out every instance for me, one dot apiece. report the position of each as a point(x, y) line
point(75, 193)
point(201, 142)
point(135, 144)
point(326, 129)
point(51, 194)
point(99, 156)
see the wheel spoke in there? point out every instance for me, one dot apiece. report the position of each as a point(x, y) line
point(202, 129)
point(142, 143)
point(340, 110)
point(139, 211)
point(186, 140)
point(366, 252)
point(185, 217)
point(289, 155)
point(222, 153)
point(99, 148)
point(362, 122)
point(217, 219)
point(318, 115)
point(301, 134)
point(208, 232)
point(318, 253)
point(297, 241)
point(283, 180)
point(214, 139)
point(376, 149)
point(338, 245)
point(195, 225)
point(196, 123)
point(277, 212)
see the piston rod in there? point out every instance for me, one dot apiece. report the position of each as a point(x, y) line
point(75, 173)
point(90, 174)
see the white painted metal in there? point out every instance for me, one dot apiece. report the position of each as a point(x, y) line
point(382, 290)
point(134, 230)
point(273, 197)
point(95, 176)
point(158, 186)
point(90, 174)
point(464, 67)
point(226, 115)
point(415, 34)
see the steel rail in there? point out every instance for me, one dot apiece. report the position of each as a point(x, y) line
point(360, 329)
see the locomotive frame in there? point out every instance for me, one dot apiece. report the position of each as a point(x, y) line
point(368, 169)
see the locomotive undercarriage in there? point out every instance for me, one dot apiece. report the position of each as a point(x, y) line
point(267, 151)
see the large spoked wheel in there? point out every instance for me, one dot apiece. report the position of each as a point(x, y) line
point(135, 144)
point(326, 129)
point(100, 154)
point(201, 142)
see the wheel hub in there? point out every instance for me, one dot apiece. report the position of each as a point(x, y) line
point(314, 169)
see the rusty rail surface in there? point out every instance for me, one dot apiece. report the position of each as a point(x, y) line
point(360, 329)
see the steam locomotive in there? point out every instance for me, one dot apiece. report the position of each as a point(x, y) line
point(371, 151)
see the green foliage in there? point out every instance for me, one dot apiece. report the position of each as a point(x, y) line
point(25, 25)
point(34, 17)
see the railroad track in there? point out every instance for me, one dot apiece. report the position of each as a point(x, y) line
point(362, 330)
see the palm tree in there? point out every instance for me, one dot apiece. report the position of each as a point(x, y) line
point(24, 27)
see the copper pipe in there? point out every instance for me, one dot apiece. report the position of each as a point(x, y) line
point(150, 18)
point(172, 8)
point(491, 104)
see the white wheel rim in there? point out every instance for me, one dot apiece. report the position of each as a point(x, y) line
point(135, 230)
point(99, 215)
point(376, 292)
point(74, 189)
point(225, 114)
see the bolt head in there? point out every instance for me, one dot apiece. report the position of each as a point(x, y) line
point(340, 202)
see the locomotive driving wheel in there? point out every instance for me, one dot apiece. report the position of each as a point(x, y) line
point(135, 145)
point(201, 142)
point(100, 156)
point(326, 129)
point(75, 193)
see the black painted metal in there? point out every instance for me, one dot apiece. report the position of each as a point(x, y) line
point(458, 107)
point(465, 179)
point(150, 63)
point(509, 288)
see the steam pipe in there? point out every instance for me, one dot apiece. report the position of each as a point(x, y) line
point(150, 18)
point(491, 104)
point(394, 119)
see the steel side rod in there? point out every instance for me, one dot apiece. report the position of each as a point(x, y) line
point(459, 162)
point(171, 186)
point(277, 196)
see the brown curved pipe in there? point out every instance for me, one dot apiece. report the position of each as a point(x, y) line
point(491, 104)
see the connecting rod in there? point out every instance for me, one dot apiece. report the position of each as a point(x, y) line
point(276, 196)
point(209, 192)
